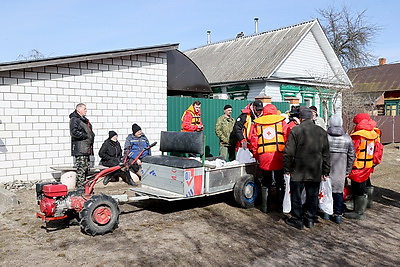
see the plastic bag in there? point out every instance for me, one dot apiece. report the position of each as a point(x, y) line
point(244, 156)
point(286, 199)
point(325, 196)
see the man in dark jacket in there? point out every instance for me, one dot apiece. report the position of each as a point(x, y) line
point(110, 152)
point(243, 122)
point(306, 159)
point(82, 139)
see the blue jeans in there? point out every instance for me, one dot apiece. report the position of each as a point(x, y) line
point(311, 205)
point(337, 203)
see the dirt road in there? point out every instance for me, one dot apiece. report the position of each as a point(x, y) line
point(210, 232)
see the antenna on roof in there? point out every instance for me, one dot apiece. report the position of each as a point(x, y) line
point(256, 25)
point(208, 37)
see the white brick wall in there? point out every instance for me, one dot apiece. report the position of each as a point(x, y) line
point(35, 104)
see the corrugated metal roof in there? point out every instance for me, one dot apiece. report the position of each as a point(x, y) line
point(380, 78)
point(250, 57)
point(83, 57)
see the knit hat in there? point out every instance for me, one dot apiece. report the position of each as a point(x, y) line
point(111, 134)
point(227, 106)
point(361, 116)
point(336, 121)
point(270, 109)
point(135, 128)
point(258, 105)
point(305, 113)
point(314, 108)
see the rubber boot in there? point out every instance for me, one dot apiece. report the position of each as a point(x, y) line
point(349, 205)
point(264, 199)
point(370, 193)
point(360, 204)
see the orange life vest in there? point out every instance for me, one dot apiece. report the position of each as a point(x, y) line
point(270, 134)
point(196, 118)
point(247, 127)
point(365, 151)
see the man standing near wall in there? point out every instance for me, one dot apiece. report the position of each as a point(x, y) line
point(223, 129)
point(82, 139)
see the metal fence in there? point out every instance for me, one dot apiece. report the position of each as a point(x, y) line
point(389, 125)
point(211, 109)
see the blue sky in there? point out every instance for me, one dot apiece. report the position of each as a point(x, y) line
point(68, 27)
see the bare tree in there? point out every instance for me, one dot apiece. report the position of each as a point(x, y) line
point(33, 54)
point(350, 34)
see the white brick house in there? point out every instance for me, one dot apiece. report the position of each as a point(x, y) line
point(119, 88)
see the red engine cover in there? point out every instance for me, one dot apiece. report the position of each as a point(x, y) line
point(48, 206)
point(55, 190)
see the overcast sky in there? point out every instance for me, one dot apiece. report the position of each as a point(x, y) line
point(68, 27)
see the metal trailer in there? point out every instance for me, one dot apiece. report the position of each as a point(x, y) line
point(170, 178)
point(170, 183)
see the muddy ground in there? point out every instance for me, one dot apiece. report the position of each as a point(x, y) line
point(210, 232)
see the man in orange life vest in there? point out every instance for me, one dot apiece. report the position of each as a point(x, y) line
point(369, 188)
point(243, 122)
point(191, 118)
point(268, 137)
point(364, 138)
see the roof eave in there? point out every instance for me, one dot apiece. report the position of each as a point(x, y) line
point(85, 57)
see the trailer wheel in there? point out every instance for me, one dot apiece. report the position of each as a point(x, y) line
point(246, 191)
point(100, 215)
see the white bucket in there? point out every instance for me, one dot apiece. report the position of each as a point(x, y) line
point(69, 179)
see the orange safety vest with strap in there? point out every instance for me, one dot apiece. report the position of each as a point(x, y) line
point(365, 151)
point(195, 120)
point(247, 127)
point(270, 136)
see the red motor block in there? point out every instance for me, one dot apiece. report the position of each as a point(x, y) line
point(48, 206)
point(55, 190)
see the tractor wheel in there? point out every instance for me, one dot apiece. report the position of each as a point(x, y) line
point(246, 191)
point(100, 215)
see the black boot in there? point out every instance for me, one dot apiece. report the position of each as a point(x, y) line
point(370, 193)
point(360, 204)
point(127, 178)
point(264, 199)
point(106, 179)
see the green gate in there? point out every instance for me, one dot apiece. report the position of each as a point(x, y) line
point(211, 109)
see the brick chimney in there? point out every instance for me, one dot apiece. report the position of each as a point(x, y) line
point(382, 61)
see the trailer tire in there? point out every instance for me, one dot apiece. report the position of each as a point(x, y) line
point(245, 191)
point(100, 215)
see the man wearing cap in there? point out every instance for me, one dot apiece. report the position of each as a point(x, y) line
point(110, 151)
point(135, 143)
point(306, 158)
point(243, 123)
point(224, 129)
point(317, 119)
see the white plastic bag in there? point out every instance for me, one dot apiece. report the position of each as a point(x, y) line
point(286, 199)
point(244, 156)
point(325, 196)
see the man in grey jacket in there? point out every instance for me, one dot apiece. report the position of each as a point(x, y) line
point(306, 159)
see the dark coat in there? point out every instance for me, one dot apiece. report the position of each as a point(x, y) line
point(82, 136)
point(306, 155)
point(110, 153)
